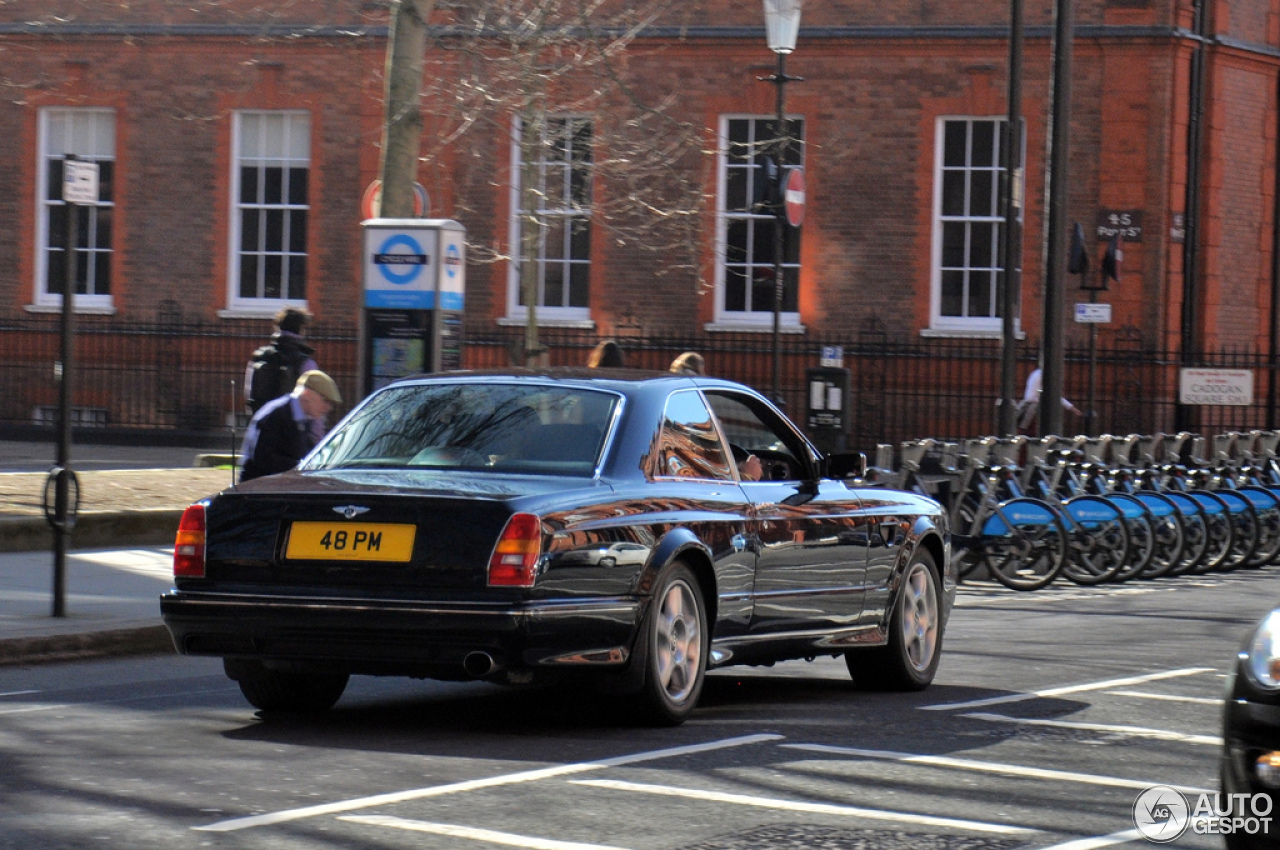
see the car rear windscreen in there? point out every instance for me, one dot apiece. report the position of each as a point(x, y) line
point(522, 428)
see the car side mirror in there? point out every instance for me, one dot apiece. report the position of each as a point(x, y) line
point(845, 465)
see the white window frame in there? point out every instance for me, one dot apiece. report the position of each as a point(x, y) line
point(991, 325)
point(789, 320)
point(295, 152)
point(547, 315)
point(91, 143)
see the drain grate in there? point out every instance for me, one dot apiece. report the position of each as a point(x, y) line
point(798, 837)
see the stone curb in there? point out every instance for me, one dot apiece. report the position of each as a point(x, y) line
point(47, 649)
point(94, 530)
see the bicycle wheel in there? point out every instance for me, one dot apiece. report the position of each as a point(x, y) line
point(1195, 533)
point(1219, 530)
point(1266, 507)
point(1244, 525)
point(1099, 538)
point(1024, 544)
point(1142, 534)
point(1169, 534)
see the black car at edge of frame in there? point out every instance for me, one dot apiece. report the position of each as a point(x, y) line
point(1251, 732)
point(594, 525)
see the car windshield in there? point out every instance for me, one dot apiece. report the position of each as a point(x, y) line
point(517, 427)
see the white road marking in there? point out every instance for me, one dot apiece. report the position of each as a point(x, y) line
point(992, 767)
point(487, 835)
point(1167, 697)
point(1069, 689)
point(474, 784)
point(1135, 731)
point(17, 693)
point(798, 806)
point(1100, 841)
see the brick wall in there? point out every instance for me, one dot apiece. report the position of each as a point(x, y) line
point(877, 78)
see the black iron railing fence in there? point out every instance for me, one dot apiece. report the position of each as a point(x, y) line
point(170, 375)
point(183, 376)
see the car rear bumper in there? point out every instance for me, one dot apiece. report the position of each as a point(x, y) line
point(401, 638)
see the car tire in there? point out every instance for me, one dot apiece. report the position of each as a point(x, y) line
point(284, 690)
point(909, 661)
point(676, 644)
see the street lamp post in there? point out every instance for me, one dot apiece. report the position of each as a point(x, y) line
point(1011, 200)
point(782, 25)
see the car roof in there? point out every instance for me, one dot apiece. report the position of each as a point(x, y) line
point(645, 390)
point(626, 381)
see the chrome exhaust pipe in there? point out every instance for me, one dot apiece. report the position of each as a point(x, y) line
point(479, 664)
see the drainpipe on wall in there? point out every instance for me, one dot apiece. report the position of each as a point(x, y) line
point(1195, 155)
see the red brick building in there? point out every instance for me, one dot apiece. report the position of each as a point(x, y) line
point(237, 138)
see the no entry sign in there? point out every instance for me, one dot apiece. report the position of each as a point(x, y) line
point(793, 195)
point(371, 201)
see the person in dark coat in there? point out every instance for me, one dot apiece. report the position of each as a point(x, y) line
point(291, 325)
point(284, 430)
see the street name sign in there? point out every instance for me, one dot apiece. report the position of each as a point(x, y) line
point(1215, 386)
point(1096, 314)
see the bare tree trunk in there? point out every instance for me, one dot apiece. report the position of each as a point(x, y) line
point(402, 111)
point(533, 128)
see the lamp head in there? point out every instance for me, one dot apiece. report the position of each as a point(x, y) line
point(782, 24)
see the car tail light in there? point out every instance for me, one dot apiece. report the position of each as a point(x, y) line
point(188, 548)
point(515, 559)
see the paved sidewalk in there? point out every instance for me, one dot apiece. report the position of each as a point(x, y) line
point(111, 605)
point(111, 596)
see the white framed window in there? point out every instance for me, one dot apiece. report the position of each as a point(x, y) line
point(270, 177)
point(88, 134)
point(747, 222)
point(968, 226)
point(559, 208)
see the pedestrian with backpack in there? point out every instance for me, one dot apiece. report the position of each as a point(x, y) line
point(275, 367)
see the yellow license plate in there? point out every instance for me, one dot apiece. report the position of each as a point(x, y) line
point(350, 541)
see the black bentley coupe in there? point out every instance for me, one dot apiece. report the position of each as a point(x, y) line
point(628, 529)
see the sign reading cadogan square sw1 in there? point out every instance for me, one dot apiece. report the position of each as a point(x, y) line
point(1215, 386)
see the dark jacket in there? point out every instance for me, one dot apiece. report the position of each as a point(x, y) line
point(301, 356)
point(275, 441)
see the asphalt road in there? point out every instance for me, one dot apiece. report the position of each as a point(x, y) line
point(1053, 710)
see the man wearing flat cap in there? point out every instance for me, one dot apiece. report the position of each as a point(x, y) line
point(284, 429)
